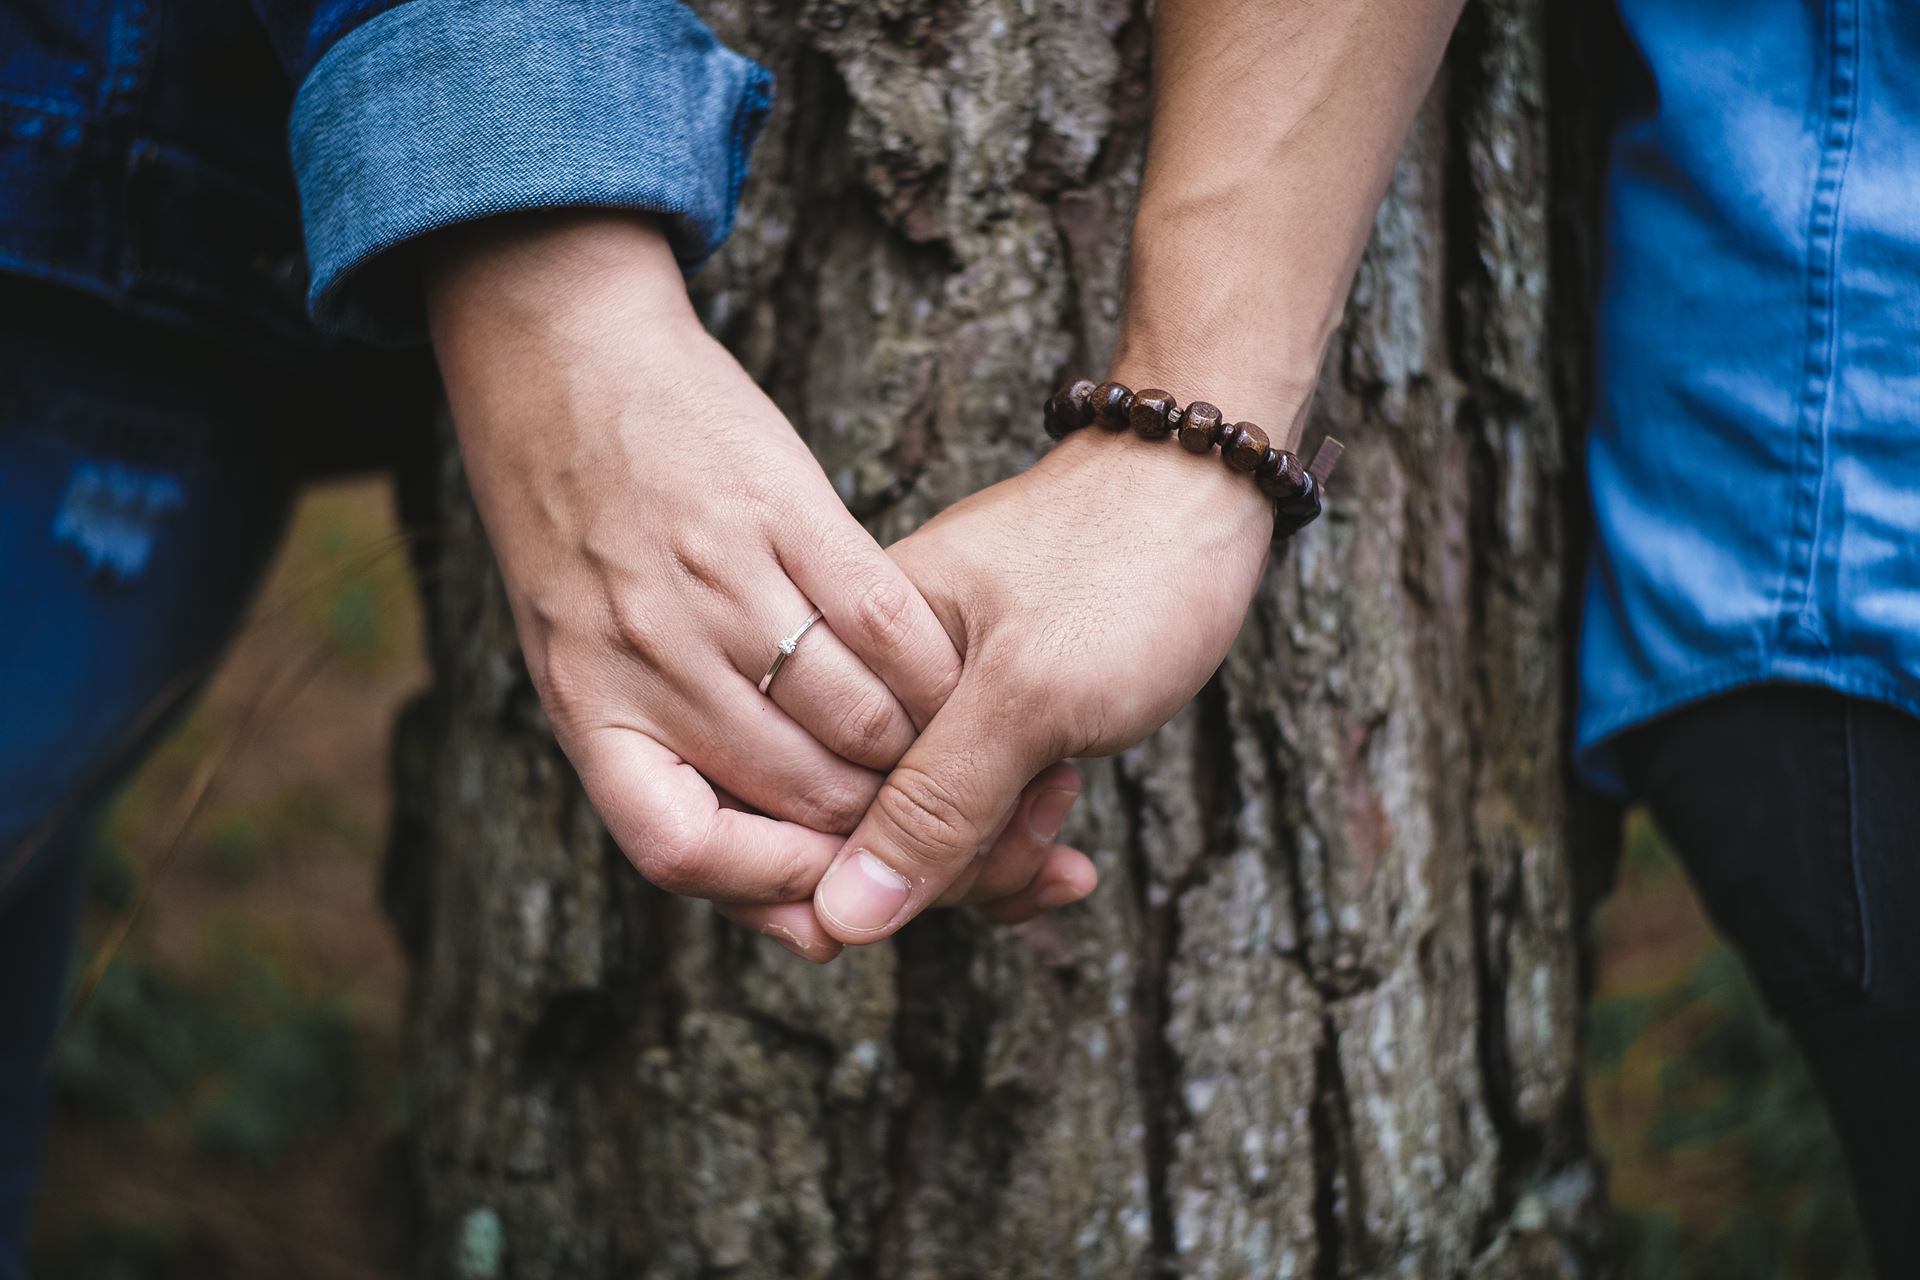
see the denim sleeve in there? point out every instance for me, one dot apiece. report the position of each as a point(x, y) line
point(435, 112)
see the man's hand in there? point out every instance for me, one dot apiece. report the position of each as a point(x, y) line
point(1091, 598)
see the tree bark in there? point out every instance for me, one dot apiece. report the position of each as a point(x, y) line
point(1321, 1017)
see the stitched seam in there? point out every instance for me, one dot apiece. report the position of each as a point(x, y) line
point(1861, 918)
point(1823, 251)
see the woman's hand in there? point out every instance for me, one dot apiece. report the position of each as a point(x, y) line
point(1091, 597)
point(660, 528)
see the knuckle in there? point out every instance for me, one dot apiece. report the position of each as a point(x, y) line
point(868, 728)
point(676, 873)
point(700, 564)
point(672, 858)
point(883, 614)
point(837, 806)
point(638, 632)
point(927, 817)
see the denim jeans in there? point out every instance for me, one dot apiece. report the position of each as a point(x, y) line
point(143, 489)
point(1797, 813)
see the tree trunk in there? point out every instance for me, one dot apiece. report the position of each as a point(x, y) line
point(1321, 1017)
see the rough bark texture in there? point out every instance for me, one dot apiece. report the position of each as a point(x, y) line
point(1320, 1020)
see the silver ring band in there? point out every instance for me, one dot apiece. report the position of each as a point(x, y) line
point(787, 647)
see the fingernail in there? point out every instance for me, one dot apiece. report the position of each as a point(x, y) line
point(1057, 895)
point(1049, 813)
point(862, 894)
point(785, 937)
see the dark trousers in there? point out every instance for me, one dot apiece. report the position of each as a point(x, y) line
point(1797, 813)
point(143, 488)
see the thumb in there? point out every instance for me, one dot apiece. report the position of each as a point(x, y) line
point(938, 810)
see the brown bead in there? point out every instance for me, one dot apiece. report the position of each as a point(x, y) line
point(1069, 409)
point(1246, 448)
point(1197, 428)
point(1110, 403)
point(1058, 417)
point(1290, 515)
point(1280, 475)
point(1151, 409)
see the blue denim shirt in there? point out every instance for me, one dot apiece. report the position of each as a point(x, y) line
point(173, 157)
point(1754, 456)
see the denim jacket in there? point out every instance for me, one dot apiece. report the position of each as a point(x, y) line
point(176, 156)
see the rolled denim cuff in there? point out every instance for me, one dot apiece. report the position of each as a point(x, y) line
point(438, 112)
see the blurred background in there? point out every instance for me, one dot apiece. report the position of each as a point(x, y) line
point(229, 1080)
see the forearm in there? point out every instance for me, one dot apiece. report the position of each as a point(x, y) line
point(1276, 126)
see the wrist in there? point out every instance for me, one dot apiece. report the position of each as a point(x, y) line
point(562, 340)
point(1238, 370)
point(1206, 320)
point(553, 273)
point(1157, 482)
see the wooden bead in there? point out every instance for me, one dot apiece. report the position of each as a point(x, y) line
point(1280, 475)
point(1069, 409)
point(1197, 428)
point(1110, 402)
point(1058, 417)
point(1150, 413)
point(1245, 448)
point(1295, 489)
point(1290, 515)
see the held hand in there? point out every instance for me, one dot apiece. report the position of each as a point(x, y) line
point(1023, 874)
point(1091, 598)
point(660, 528)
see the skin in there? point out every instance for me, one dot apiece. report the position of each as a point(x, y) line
point(1071, 590)
point(659, 525)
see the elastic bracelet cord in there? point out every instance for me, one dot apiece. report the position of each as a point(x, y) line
point(1294, 489)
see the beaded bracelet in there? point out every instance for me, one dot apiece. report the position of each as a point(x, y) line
point(1294, 489)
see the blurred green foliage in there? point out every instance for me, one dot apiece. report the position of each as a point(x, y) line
point(233, 849)
point(238, 1059)
point(1722, 1165)
point(352, 586)
point(233, 1058)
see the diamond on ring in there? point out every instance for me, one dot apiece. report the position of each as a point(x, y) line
point(787, 646)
